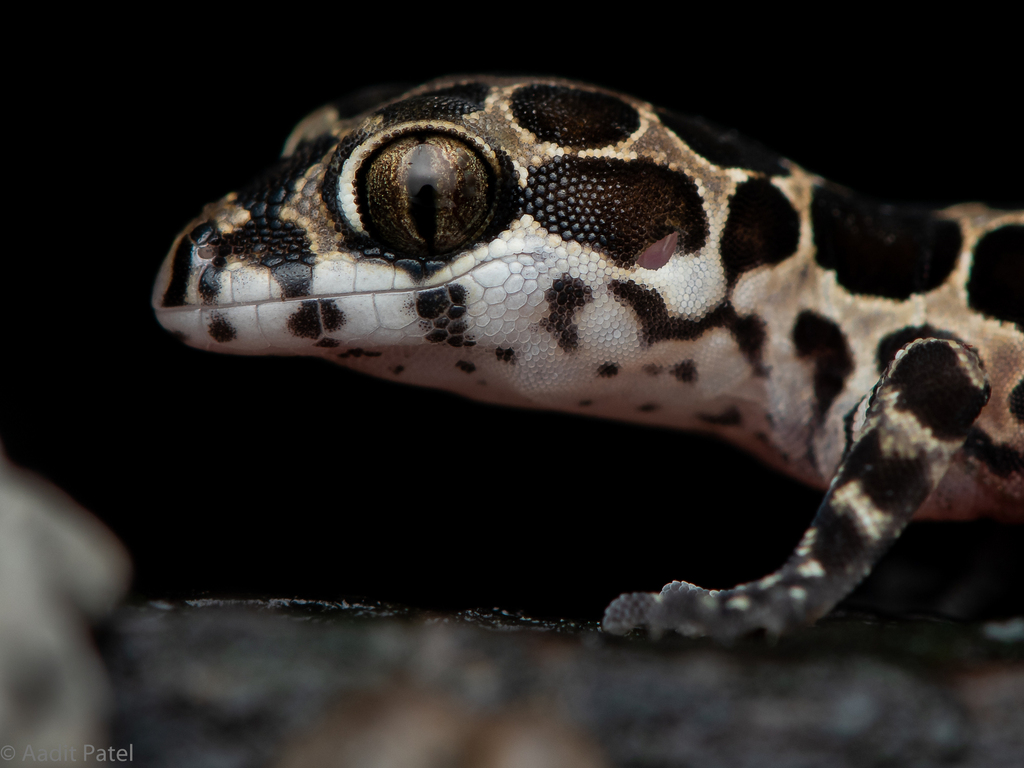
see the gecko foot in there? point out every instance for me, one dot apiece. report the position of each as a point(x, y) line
point(917, 417)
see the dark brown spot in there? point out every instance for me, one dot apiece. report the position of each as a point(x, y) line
point(762, 228)
point(220, 329)
point(566, 295)
point(305, 321)
point(895, 485)
point(449, 103)
point(1016, 401)
point(996, 286)
point(750, 335)
point(618, 207)
point(935, 389)
point(895, 341)
point(844, 544)
point(445, 310)
point(882, 250)
point(657, 325)
point(181, 271)
point(1002, 460)
point(294, 277)
point(573, 117)
point(686, 371)
point(820, 341)
point(433, 303)
point(209, 285)
point(332, 316)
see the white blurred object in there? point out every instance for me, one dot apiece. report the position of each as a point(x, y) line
point(60, 568)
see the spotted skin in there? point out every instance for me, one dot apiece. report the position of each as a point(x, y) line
point(548, 244)
point(897, 461)
point(878, 250)
point(762, 228)
point(821, 340)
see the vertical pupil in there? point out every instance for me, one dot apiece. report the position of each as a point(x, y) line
point(424, 195)
point(422, 186)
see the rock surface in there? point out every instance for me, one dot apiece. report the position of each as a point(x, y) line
point(297, 683)
point(214, 683)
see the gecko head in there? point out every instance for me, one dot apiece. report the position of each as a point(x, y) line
point(482, 212)
point(348, 238)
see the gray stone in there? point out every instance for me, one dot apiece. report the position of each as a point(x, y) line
point(215, 683)
point(59, 569)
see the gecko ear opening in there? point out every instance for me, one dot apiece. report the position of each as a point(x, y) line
point(657, 254)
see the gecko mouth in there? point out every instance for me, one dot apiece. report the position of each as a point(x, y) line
point(252, 308)
point(200, 272)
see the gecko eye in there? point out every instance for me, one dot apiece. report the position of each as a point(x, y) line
point(426, 195)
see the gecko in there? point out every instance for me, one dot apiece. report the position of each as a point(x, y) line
point(548, 244)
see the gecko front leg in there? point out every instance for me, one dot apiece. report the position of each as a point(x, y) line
point(917, 418)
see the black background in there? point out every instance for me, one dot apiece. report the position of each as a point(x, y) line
point(233, 475)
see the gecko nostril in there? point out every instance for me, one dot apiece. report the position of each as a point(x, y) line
point(203, 234)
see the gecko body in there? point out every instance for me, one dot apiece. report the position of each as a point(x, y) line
point(549, 244)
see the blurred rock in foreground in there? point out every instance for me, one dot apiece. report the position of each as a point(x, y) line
point(292, 683)
point(59, 569)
